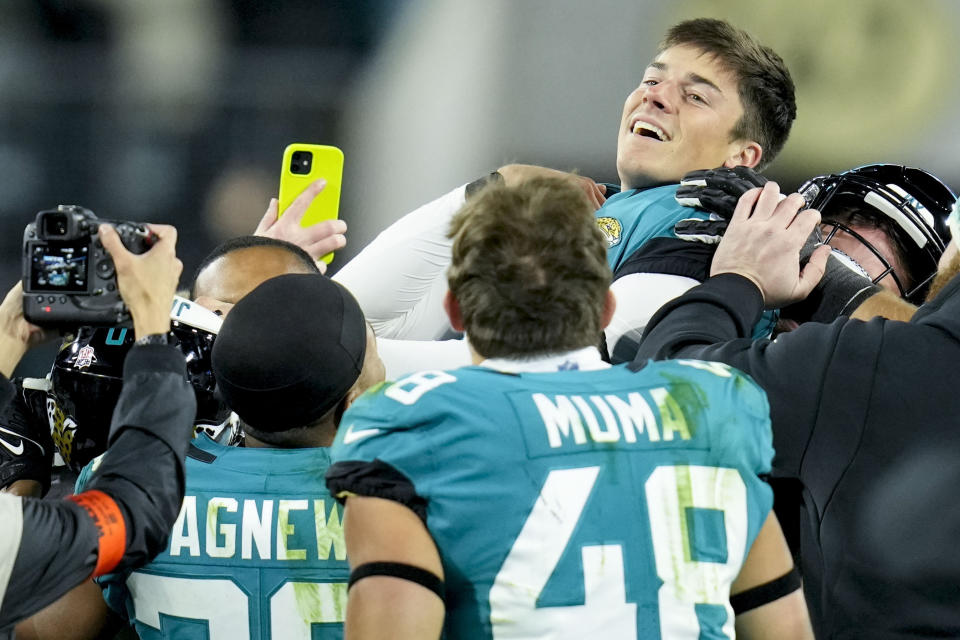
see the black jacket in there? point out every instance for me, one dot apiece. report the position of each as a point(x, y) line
point(59, 544)
point(865, 415)
point(6, 392)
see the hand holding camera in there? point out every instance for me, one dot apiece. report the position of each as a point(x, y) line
point(16, 334)
point(75, 268)
point(147, 281)
point(69, 279)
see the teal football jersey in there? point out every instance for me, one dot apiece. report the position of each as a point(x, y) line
point(257, 553)
point(631, 219)
point(606, 503)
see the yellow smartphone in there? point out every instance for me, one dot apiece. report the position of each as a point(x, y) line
point(304, 163)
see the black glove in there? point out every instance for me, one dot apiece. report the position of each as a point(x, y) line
point(708, 231)
point(845, 284)
point(26, 450)
point(717, 190)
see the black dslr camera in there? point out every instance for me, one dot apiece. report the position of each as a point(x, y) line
point(68, 277)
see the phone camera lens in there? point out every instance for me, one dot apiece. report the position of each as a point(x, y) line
point(300, 162)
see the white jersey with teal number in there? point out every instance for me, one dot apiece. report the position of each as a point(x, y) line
point(257, 553)
point(603, 503)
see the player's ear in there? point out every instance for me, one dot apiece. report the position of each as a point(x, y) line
point(452, 307)
point(354, 393)
point(746, 153)
point(609, 306)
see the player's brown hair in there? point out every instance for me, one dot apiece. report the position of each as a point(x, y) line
point(765, 86)
point(529, 269)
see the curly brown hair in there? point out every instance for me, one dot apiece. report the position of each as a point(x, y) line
point(529, 269)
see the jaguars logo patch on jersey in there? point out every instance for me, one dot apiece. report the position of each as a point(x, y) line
point(611, 230)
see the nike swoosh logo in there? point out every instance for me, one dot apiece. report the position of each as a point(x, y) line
point(352, 436)
point(16, 450)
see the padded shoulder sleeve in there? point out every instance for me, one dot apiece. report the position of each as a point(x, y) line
point(375, 479)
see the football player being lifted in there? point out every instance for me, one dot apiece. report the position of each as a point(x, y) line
point(712, 96)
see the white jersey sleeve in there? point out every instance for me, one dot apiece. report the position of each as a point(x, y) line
point(639, 296)
point(400, 278)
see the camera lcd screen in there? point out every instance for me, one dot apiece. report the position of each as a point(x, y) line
point(59, 267)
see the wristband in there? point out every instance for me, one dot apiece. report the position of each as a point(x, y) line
point(153, 338)
point(111, 529)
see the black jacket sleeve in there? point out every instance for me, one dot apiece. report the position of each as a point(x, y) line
point(123, 519)
point(712, 321)
point(6, 391)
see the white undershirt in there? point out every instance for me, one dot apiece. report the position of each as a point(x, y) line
point(586, 359)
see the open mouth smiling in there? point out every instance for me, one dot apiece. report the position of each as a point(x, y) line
point(648, 130)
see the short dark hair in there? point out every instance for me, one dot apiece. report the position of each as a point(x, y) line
point(765, 86)
point(529, 269)
point(246, 242)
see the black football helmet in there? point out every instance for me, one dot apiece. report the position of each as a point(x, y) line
point(913, 202)
point(87, 377)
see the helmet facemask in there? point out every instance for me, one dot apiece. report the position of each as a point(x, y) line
point(909, 205)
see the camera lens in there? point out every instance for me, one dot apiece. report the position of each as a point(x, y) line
point(55, 224)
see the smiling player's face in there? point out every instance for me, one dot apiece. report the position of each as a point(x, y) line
point(680, 119)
